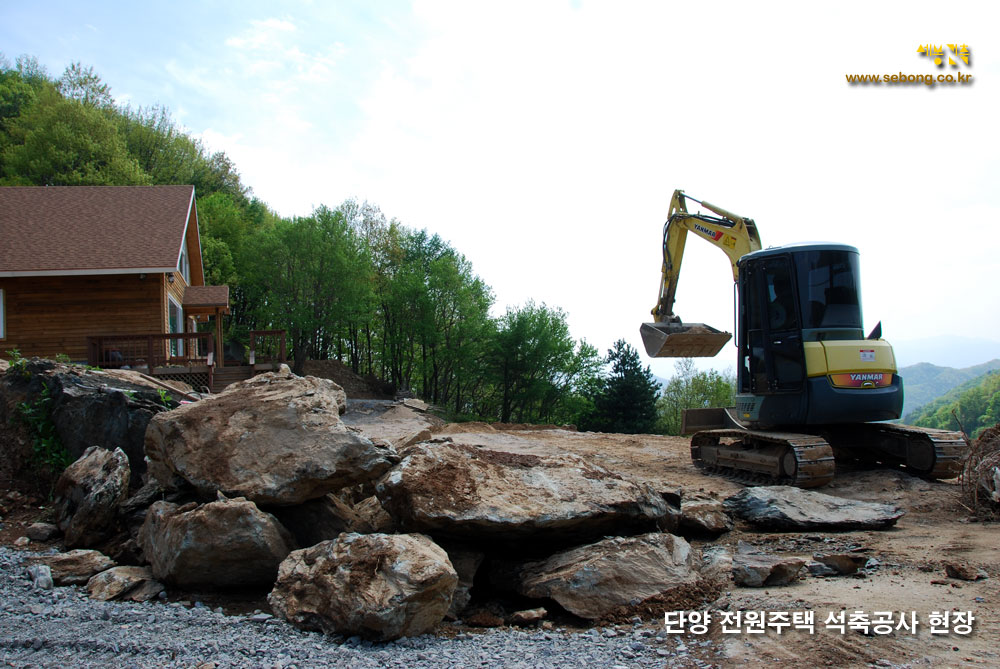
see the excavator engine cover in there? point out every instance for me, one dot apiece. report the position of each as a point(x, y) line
point(682, 340)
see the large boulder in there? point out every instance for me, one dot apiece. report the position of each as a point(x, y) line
point(87, 407)
point(74, 567)
point(615, 575)
point(88, 496)
point(476, 493)
point(225, 543)
point(274, 439)
point(380, 586)
point(701, 516)
point(399, 423)
point(786, 508)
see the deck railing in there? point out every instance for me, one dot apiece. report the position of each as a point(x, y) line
point(267, 347)
point(152, 351)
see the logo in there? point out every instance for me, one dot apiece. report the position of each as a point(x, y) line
point(712, 234)
point(861, 380)
point(960, 51)
point(958, 58)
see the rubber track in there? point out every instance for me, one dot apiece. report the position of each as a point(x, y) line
point(950, 448)
point(813, 456)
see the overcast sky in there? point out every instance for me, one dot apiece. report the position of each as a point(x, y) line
point(544, 139)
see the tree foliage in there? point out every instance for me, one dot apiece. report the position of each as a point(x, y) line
point(625, 400)
point(345, 283)
point(973, 406)
point(692, 389)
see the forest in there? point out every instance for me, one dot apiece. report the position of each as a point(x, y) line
point(346, 282)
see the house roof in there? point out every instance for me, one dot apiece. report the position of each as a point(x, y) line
point(206, 296)
point(58, 230)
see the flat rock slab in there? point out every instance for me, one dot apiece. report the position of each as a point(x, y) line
point(74, 567)
point(275, 439)
point(844, 564)
point(132, 583)
point(599, 579)
point(398, 423)
point(786, 508)
point(473, 493)
point(758, 571)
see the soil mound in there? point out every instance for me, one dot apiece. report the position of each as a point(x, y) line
point(357, 387)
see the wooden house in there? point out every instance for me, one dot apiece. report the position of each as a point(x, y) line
point(110, 275)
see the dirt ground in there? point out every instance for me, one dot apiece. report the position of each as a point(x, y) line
point(909, 576)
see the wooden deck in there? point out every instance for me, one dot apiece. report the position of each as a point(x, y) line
point(189, 357)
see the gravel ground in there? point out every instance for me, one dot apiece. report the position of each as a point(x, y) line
point(63, 628)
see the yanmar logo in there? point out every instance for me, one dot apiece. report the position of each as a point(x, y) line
point(711, 234)
point(861, 380)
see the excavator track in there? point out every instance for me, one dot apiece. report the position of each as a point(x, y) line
point(775, 458)
point(934, 454)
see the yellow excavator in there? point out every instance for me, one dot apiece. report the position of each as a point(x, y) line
point(810, 384)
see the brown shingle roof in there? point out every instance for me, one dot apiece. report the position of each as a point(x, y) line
point(92, 229)
point(206, 296)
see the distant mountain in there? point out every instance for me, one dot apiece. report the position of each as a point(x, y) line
point(947, 351)
point(923, 382)
point(971, 406)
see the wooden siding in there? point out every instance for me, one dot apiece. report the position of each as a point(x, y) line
point(46, 316)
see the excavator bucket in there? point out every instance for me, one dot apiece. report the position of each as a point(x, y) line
point(682, 340)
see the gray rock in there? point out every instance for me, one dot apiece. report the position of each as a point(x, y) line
point(118, 582)
point(789, 508)
point(42, 531)
point(41, 576)
point(595, 580)
point(842, 563)
point(703, 516)
point(88, 495)
point(466, 562)
point(475, 493)
point(275, 439)
point(757, 571)
point(379, 586)
point(964, 572)
point(229, 542)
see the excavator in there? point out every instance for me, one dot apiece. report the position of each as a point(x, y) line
point(812, 389)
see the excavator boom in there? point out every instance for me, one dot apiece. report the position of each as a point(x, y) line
point(667, 336)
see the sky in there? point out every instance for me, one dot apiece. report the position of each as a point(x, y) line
point(544, 139)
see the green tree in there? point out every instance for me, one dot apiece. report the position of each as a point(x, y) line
point(60, 142)
point(84, 85)
point(532, 347)
point(625, 400)
point(692, 389)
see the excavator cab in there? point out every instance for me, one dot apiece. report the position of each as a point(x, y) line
point(800, 331)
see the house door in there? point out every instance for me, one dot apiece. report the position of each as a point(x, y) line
point(176, 326)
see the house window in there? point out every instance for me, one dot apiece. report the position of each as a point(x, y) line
point(3, 323)
point(183, 265)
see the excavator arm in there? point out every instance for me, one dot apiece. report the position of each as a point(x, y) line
point(667, 336)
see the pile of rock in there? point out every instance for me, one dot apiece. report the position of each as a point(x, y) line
point(369, 524)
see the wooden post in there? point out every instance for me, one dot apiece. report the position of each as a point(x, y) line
point(220, 352)
point(149, 358)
